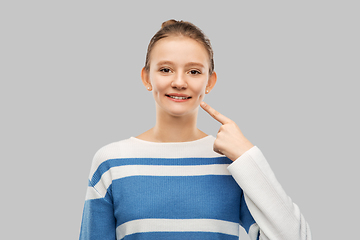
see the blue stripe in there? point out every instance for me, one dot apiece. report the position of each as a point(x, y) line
point(98, 220)
point(246, 219)
point(106, 165)
point(209, 197)
point(179, 236)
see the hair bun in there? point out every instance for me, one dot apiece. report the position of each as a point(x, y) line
point(169, 22)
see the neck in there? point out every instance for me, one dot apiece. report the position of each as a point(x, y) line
point(176, 128)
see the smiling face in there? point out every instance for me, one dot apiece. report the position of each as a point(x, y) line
point(178, 75)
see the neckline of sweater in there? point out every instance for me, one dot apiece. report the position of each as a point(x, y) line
point(173, 143)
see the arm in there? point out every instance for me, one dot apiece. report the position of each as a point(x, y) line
point(98, 221)
point(276, 216)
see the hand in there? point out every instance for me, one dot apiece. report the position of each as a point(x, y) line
point(229, 140)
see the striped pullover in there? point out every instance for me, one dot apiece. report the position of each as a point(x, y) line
point(184, 190)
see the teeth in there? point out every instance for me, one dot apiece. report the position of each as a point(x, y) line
point(178, 97)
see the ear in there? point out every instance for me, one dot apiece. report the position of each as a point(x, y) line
point(146, 79)
point(211, 82)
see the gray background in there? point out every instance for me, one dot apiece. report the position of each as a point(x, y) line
point(288, 75)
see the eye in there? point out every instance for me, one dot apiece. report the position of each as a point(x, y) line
point(165, 70)
point(194, 72)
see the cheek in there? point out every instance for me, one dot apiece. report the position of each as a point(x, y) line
point(200, 90)
point(157, 93)
point(201, 96)
point(158, 86)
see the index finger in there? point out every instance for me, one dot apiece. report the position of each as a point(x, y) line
point(215, 114)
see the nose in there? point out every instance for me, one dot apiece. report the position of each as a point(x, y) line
point(179, 82)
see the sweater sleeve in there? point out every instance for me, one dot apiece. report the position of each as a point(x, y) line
point(98, 221)
point(276, 216)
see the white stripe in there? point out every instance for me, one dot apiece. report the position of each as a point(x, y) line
point(135, 148)
point(157, 170)
point(177, 225)
point(91, 193)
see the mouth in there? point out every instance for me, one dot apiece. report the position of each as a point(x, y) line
point(177, 97)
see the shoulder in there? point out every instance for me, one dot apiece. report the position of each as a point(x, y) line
point(115, 150)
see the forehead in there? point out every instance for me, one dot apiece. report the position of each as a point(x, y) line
point(180, 50)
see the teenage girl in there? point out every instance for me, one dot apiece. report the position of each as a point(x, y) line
point(175, 181)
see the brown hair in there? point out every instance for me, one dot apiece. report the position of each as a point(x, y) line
point(180, 28)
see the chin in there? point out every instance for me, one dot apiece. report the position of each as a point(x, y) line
point(180, 111)
point(180, 114)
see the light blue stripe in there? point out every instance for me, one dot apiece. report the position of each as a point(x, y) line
point(106, 165)
point(246, 219)
point(208, 197)
point(98, 220)
point(180, 236)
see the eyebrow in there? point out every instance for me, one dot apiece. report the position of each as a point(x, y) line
point(186, 65)
point(164, 63)
point(194, 64)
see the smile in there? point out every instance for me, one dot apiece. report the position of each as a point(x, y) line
point(177, 98)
